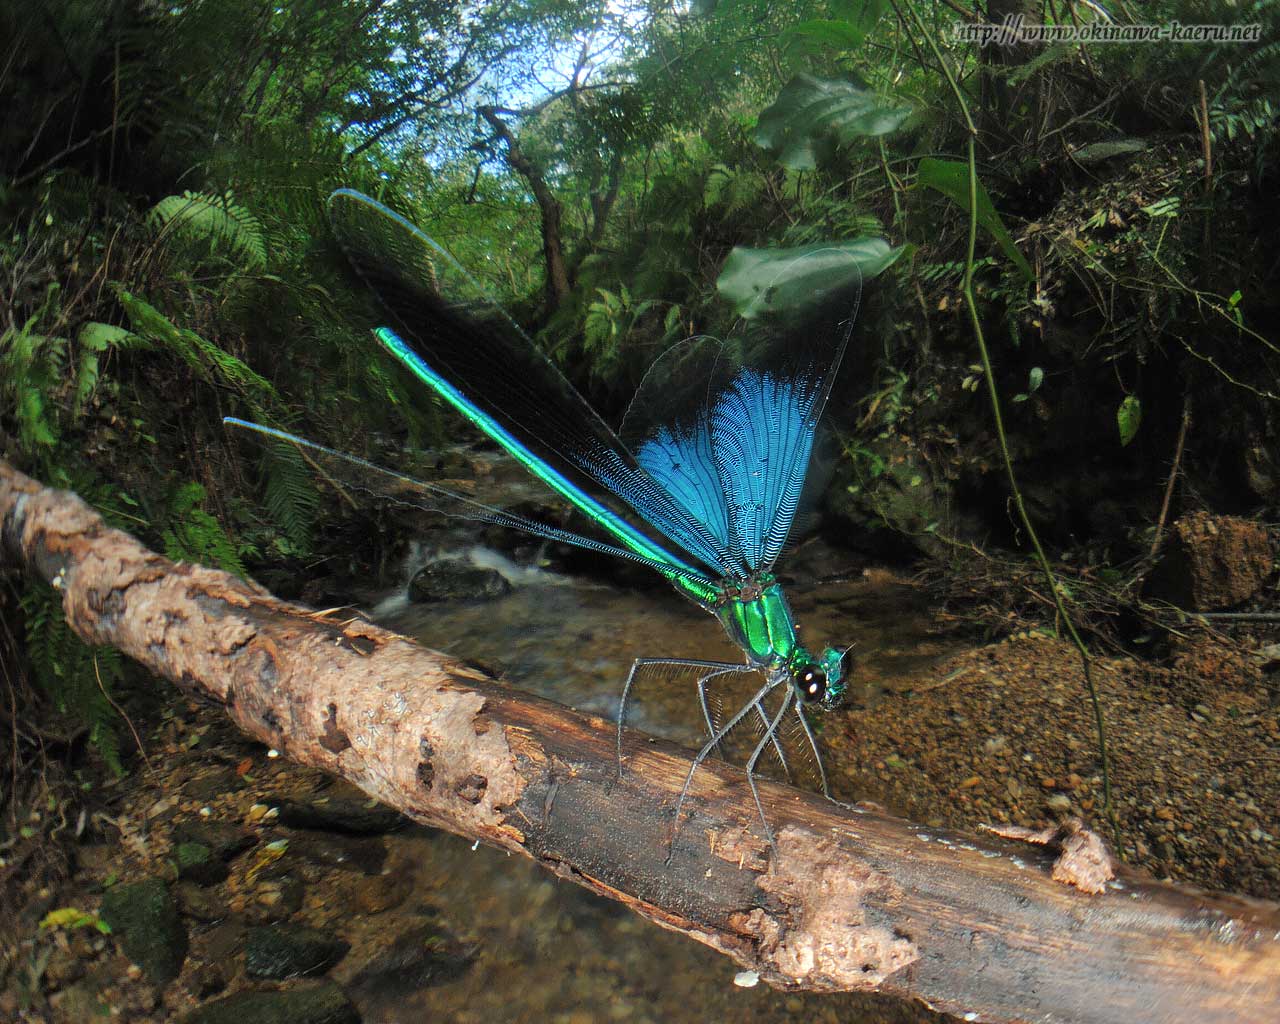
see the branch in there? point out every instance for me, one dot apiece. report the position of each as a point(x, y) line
point(857, 900)
point(557, 284)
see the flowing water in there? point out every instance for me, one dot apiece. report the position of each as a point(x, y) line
point(548, 951)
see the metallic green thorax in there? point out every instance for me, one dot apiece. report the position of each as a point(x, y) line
point(757, 618)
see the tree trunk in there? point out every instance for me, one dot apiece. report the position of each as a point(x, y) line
point(996, 107)
point(557, 286)
point(974, 925)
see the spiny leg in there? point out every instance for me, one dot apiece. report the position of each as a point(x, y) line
point(751, 767)
point(709, 746)
point(764, 718)
point(772, 733)
point(639, 663)
point(817, 754)
point(702, 695)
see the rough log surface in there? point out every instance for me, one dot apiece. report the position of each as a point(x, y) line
point(975, 925)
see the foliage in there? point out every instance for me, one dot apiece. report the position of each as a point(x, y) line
point(813, 116)
point(950, 177)
point(1128, 418)
point(77, 677)
point(754, 280)
point(213, 220)
point(193, 535)
point(71, 918)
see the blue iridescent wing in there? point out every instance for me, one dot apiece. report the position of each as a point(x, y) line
point(728, 427)
point(466, 350)
point(668, 428)
point(347, 473)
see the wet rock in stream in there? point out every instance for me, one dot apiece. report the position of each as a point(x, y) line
point(379, 893)
point(291, 951)
point(224, 941)
point(421, 957)
point(213, 784)
point(335, 851)
point(223, 839)
point(456, 581)
point(200, 904)
point(152, 935)
point(320, 1004)
point(276, 898)
point(196, 863)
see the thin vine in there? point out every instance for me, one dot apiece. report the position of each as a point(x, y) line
point(993, 394)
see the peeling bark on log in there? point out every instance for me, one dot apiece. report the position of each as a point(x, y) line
point(975, 925)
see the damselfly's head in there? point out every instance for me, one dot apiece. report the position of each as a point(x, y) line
point(819, 681)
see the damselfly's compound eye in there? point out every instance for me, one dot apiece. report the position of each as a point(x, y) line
point(812, 683)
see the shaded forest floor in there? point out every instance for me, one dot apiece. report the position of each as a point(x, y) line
point(1004, 733)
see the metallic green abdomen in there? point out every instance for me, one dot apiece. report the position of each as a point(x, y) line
point(759, 620)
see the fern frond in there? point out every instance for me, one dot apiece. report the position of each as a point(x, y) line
point(213, 219)
point(206, 358)
point(290, 494)
point(193, 535)
point(78, 678)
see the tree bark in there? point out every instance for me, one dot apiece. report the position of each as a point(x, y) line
point(558, 286)
point(975, 925)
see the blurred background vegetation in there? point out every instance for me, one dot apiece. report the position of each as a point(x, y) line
point(165, 260)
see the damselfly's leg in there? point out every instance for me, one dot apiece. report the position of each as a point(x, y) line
point(714, 668)
point(764, 718)
point(772, 733)
point(702, 694)
point(817, 754)
point(751, 767)
point(709, 746)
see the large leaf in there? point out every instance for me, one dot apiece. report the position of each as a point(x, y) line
point(951, 178)
point(793, 281)
point(98, 337)
point(839, 35)
point(842, 33)
point(815, 115)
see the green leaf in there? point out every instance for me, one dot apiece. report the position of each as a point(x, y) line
point(951, 178)
point(99, 337)
point(1169, 206)
point(840, 35)
point(1096, 152)
point(813, 116)
point(36, 429)
point(1036, 379)
point(756, 280)
point(862, 13)
point(72, 917)
point(1128, 418)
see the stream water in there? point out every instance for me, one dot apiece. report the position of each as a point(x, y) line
point(549, 951)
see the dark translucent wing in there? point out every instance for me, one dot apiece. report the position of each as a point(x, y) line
point(470, 353)
point(748, 407)
point(788, 756)
point(653, 681)
point(352, 475)
point(822, 462)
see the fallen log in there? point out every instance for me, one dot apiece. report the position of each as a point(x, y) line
point(975, 925)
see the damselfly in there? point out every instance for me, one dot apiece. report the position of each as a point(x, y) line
point(710, 460)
